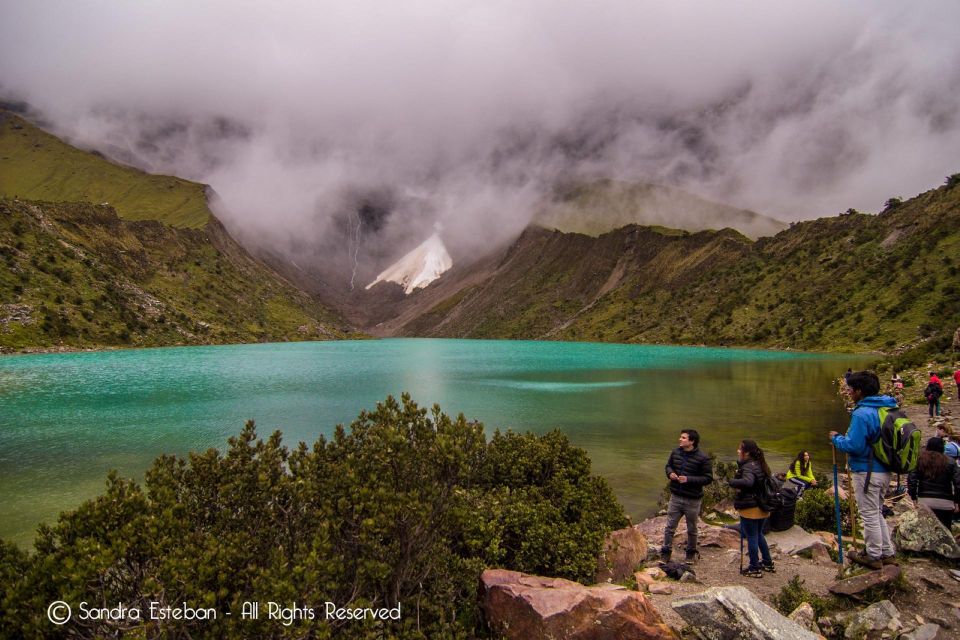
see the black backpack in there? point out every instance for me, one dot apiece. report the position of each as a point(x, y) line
point(768, 494)
point(934, 390)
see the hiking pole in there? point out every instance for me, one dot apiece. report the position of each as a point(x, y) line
point(853, 519)
point(836, 508)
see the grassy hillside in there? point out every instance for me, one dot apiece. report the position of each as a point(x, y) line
point(35, 165)
point(601, 206)
point(884, 282)
point(76, 275)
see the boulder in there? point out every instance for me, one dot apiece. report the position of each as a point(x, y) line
point(927, 631)
point(920, 531)
point(718, 537)
point(521, 606)
point(643, 580)
point(806, 617)
point(792, 541)
point(828, 538)
point(858, 584)
point(734, 613)
point(821, 554)
point(622, 551)
point(660, 588)
point(873, 622)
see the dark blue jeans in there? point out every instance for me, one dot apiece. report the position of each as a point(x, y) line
point(752, 530)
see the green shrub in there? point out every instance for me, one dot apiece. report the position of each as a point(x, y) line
point(793, 594)
point(816, 511)
point(404, 508)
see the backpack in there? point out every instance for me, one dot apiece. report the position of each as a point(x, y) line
point(933, 391)
point(897, 444)
point(768, 494)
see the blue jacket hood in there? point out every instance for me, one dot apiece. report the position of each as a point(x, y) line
point(877, 402)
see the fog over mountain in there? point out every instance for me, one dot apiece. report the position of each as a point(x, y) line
point(335, 119)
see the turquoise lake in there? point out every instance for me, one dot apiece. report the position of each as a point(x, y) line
point(67, 419)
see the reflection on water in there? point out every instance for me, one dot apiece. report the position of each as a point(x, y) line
point(66, 419)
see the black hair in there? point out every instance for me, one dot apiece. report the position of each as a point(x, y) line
point(693, 436)
point(804, 464)
point(866, 382)
point(750, 448)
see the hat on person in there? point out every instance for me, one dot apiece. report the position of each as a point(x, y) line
point(935, 444)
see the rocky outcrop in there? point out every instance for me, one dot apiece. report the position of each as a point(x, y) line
point(792, 541)
point(873, 622)
point(528, 607)
point(865, 581)
point(707, 535)
point(729, 613)
point(622, 552)
point(920, 531)
point(806, 617)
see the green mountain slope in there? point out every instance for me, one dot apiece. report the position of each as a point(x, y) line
point(884, 282)
point(604, 205)
point(76, 275)
point(35, 165)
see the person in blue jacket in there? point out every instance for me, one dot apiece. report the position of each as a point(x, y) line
point(864, 429)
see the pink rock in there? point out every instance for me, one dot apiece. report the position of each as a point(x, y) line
point(525, 607)
point(622, 551)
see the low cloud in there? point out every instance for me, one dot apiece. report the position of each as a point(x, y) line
point(467, 113)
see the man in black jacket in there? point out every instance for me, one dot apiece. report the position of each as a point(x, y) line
point(689, 471)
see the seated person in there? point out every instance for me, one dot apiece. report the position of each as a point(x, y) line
point(800, 472)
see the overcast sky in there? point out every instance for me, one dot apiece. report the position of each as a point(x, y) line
point(792, 109)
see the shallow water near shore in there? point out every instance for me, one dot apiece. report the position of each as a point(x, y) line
point(67, 419)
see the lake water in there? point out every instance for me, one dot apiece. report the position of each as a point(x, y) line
point(67, 419)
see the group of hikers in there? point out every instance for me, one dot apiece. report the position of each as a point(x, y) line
point(932, 392)
point(933, 480)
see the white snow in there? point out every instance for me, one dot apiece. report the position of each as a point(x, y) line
point(418, 268)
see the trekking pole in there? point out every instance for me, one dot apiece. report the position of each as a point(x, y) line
point(836, 508)
point(853, 519)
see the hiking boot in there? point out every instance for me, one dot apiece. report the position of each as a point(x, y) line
point(751, 573)
point(769, 568)
point(665, 556)
point(864, 560)
point(691, 557)
point(889, 560)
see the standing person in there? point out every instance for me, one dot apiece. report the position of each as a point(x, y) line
point(956, 380)
point(801, 472)
point(933, 392)
point(871, 478)
point(846, 376)
point(936, 482)
point(950, 447)
point(689, 471)
point(752, 470)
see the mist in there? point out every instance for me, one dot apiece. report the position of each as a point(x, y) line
point(465, 115)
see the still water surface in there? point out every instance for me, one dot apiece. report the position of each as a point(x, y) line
point(67, 419)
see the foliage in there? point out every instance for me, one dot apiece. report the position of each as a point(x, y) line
point(76, 275)
point(816, 511)
point(403, 508)
point(793, 594)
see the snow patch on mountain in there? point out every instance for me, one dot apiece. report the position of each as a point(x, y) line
point(418, 268)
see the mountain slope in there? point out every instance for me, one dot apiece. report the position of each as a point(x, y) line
point(35, 165)
point(604, 205)
point(76, 275)
point(883, 282)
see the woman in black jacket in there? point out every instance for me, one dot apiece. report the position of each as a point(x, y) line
point(936, 482)
point(748, 482)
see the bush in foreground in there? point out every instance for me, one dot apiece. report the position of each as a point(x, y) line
point(406, 508)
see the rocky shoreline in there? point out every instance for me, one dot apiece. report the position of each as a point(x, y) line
point(634, 598)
